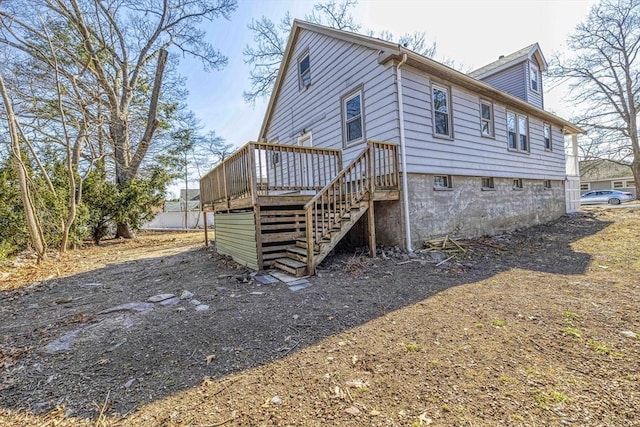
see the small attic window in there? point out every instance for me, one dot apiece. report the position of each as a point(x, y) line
point(535, 78)
point(304, 71)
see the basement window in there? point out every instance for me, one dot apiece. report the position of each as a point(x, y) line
point(442, 182)
point(547, 184)
point(517, 184)
point(488, 184)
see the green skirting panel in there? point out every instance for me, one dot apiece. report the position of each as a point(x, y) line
point(236, 237)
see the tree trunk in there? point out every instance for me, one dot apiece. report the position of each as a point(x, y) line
point(124, 231)
point(126, 165)
point(33, 222)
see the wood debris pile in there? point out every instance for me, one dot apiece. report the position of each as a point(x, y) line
point(446, 244)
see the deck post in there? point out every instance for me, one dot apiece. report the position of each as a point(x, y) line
point(206, 231)
point(310, 241)
point(372, 188)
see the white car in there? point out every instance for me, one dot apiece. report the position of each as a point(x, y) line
point(613, 197)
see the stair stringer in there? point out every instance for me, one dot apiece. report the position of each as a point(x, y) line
point(345, 225)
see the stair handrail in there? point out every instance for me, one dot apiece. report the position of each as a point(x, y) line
point(322, 211)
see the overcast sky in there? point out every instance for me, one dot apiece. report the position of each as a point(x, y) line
point(472, 33)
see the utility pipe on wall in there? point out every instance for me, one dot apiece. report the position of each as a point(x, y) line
point(403, 156)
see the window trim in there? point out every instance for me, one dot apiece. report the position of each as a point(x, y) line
point(490, 183)
point(491, 121)
point(533, 71)
point(630, 184)
point(588, 184)
point(343, 104)
point(301, 84)
point(449, 113)
point(613, 185)
point(518, 141)
point(448, 182)
point(547, 147)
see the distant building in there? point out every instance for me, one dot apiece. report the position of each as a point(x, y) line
point(606, 175)
point(192, 199)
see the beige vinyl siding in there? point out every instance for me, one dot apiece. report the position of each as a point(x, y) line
point(236, 237)
point(469, 153)
point(337, 67)
point(513, 80)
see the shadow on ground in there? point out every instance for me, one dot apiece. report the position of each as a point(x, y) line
point(82, 341)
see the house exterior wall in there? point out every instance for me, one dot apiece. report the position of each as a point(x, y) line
point(467, 211)
point(468, 152)
point(512, 80)
point(337, 69)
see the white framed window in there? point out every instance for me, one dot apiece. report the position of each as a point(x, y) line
point(353, 124)
point(585, 186)
point(305, 140)
point(442, 182)
point(546, 132)
point(517, 184)
point(630, 184)
point(618, 184)
point(304, 71)
point(486, 118)
point(441, 111)
point(488, 183)
point(517, 132)
point(535, 78)
point(547, 184)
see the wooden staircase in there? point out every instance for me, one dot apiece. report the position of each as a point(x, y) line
point(331, 213)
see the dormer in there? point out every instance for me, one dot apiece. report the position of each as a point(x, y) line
point(519, 74)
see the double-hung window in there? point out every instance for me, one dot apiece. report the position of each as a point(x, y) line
point(517, 132)
point(352, 118)
point(304, 71)
point(535, 78)
point(546, 130)
point(441, 111)
point(486, 118)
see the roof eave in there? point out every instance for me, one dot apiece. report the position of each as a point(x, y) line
point(456, 77)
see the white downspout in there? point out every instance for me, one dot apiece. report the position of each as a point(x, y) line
point(403, 156)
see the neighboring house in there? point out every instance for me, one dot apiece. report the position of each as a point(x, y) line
point(463, 155)
point(191, 197)
point(606, 175)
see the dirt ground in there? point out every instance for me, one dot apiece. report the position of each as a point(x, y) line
point(534, 327)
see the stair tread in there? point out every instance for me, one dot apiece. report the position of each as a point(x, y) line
point(298, 250)
point(291, 262)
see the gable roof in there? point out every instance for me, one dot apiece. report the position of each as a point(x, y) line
point(388, 51)
point(531, 52)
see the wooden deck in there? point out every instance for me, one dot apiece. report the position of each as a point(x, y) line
point(303, 201)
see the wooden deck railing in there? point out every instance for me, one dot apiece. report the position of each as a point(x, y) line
point(258, 169)
point(375, 168)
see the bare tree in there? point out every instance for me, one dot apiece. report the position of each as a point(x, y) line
point(604, 75)
point(123, 46)
point(31, 216)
